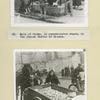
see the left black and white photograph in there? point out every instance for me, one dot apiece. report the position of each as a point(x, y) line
point(66, 13)
point(50, 74)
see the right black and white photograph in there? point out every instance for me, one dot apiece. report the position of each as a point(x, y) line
point(49, 74)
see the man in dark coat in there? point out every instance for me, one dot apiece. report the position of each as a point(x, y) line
point(26, 80)
point(76, 77)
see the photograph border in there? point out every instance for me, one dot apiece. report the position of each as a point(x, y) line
point(85, 24)
point(49, 50)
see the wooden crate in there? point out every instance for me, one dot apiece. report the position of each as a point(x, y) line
point(36, 8)
point(56, 10)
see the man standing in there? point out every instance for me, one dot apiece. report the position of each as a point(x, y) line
point(69, 7)
point(43, 8)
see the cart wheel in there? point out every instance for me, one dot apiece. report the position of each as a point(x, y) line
point(73, 87)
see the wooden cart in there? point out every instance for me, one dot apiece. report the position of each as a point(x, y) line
point(31, 94)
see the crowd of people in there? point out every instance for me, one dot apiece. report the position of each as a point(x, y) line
point(26, 5)
point(30, 78)
point(66, 72)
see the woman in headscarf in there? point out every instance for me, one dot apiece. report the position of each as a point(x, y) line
point(52, 78)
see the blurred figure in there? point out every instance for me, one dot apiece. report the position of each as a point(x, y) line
point(50, 2)
point(52, 78)
point(26, 72)
point(43, 8)
point(25, 6)
point(76, 76)
point(25, 79)
point(78, 69)
point(82, 79)
point(76, 3)
point(72, 71)
point(67, 71)
point(22, 6)
point(37, 72)
point(62, 72)
point(37, 80)
point(69, 7)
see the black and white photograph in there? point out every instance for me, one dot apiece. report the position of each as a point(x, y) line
point(66, 13)
point(50, 74)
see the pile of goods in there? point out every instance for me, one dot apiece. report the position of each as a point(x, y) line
point(53, 94)
point(56, 10)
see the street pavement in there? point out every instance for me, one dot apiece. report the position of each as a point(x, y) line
point(78, 17)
